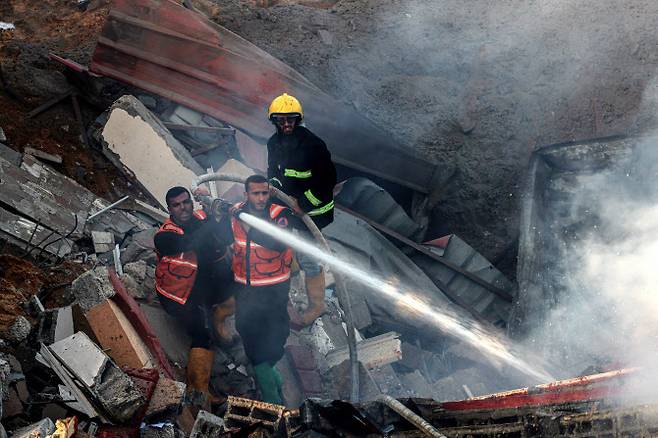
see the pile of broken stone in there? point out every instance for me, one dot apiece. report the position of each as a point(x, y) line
point(111, 362)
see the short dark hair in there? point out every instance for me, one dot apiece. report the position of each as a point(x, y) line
point(175, 191)
point(258, 179)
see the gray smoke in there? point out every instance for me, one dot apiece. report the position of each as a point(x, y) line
point(606, 312)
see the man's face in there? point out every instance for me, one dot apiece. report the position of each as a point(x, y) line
point(257, 195)
point(286, 124)
point(180, 208)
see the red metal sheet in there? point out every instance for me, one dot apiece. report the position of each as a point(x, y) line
point(594, 387)
point(161, 47)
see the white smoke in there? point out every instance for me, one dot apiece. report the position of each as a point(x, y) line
point(606, 315)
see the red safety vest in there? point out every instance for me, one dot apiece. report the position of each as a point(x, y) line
point(266, 267)
point(175, 274)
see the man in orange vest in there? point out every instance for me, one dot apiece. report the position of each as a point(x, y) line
point(192, 275)
point(261, 270)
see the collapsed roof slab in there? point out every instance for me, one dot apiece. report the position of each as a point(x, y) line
point(138, 143)
point(163, 48)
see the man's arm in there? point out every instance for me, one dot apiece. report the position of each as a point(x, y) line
point(320, 188)
point(172, 243)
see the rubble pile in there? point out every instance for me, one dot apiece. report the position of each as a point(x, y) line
point(87, 350)
point(107, 355)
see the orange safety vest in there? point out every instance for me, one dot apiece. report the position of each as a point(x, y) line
point(257, 265)
point(175, 274)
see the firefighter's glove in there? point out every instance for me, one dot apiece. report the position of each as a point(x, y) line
point(220, 207)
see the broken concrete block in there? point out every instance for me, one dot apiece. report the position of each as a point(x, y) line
point(118, 337)
point(10, 155)
point(92, 288)
point(136, 269)
point(160, 430)
point(133, 286)
point(44, 156)
point(373, 352)
point(140, 247)
point(167, 397)
point(19, 330)
point(137, 142)
point(241, 412)
point(37, 430)
point(110, 387)
point(103, 241)
point(139, 279)
point(207, 425)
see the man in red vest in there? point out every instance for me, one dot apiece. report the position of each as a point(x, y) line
point(261, 270)
point(192, 275)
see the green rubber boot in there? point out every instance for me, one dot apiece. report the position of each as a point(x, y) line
point(277, 377)
point(267, 383)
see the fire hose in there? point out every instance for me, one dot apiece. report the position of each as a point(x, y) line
point(341, 289)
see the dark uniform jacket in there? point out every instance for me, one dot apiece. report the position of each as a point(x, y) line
point(203, 237)
point(301, 166)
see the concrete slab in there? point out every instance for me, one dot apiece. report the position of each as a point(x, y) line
point(137, 142)
point(81, 356)
point(110, 387)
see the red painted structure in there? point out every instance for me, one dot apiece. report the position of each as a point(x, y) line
point(593, 387)
point(161, 47)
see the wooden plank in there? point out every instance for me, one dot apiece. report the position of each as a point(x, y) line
point(23, 231)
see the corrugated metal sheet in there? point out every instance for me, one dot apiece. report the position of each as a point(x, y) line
point(487, 304)
point(161, 47)
point(367, 198)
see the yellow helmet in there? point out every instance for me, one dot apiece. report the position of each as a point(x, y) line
point(285, 104)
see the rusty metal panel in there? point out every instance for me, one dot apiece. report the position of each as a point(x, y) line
point(161, 47)
point(584, 388)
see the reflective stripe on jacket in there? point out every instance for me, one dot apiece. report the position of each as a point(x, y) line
point(254, 264)
point(175, 274)
point(300, 165)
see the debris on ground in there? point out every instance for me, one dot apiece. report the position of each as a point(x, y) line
point(87, 350)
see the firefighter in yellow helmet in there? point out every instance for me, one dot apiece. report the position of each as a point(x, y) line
point(299, 163)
